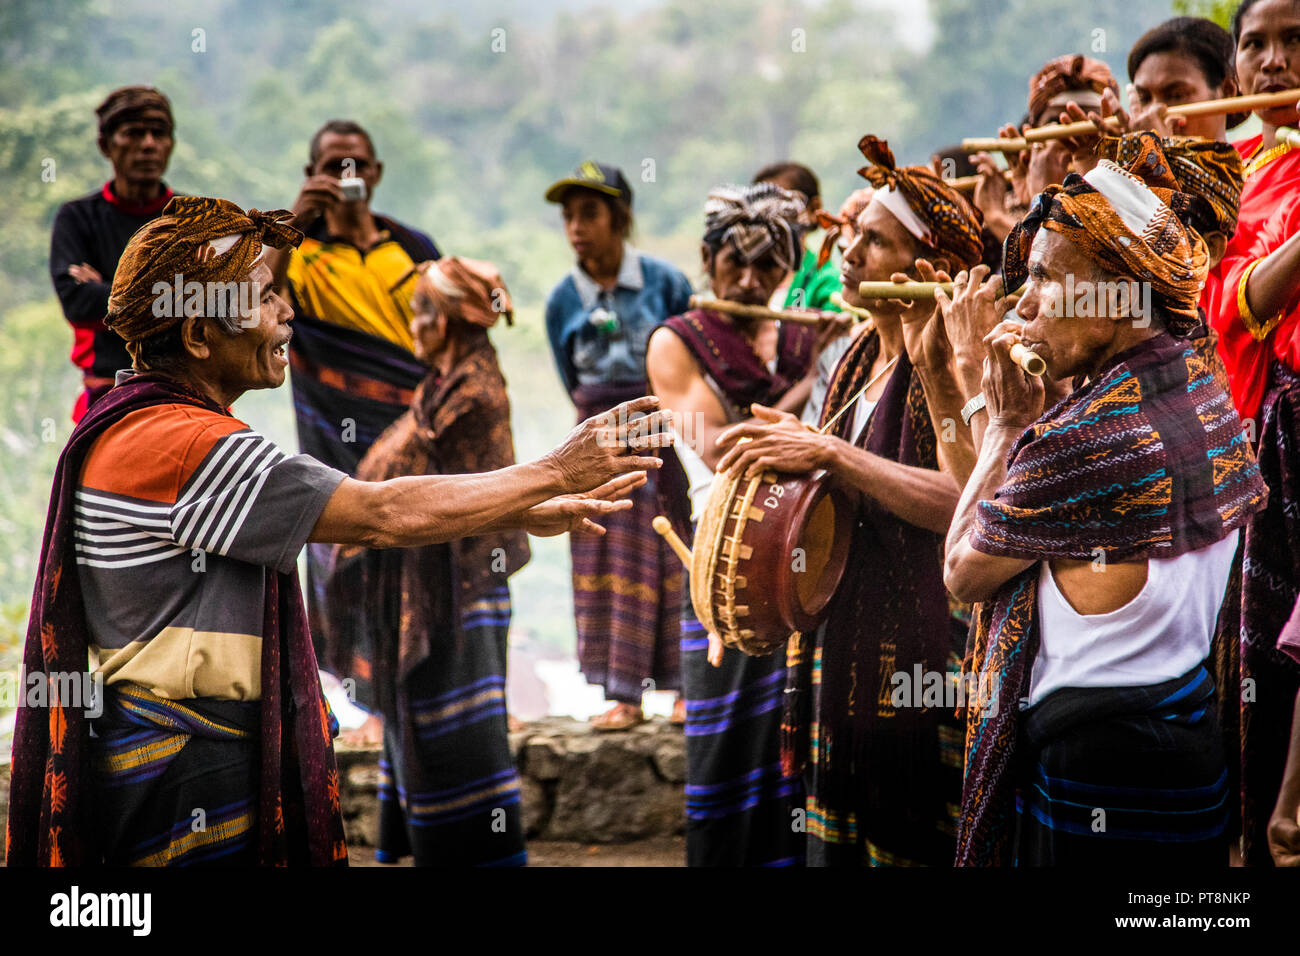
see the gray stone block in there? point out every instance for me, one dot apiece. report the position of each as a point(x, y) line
point(610, 793)
point(543, 757)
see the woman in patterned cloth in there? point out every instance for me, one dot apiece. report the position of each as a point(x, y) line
point(423, 631)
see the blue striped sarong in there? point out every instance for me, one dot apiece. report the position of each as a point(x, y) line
point(626, 585)
point(1124, 775)
point(740, 809)
point(448, 791)
point(176, 781)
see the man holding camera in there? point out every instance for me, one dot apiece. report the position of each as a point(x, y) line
point(350, 285)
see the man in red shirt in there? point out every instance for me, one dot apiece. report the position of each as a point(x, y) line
point(135, 134)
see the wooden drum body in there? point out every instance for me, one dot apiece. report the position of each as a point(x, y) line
point(769, 553)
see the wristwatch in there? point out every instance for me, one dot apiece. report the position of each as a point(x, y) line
point(971, 407)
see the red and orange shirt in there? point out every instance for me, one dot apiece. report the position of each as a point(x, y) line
point(179, 511)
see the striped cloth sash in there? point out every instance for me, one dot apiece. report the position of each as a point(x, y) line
point(142, 733)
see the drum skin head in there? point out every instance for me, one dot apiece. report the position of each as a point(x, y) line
point(769, 552)
point(825, 555)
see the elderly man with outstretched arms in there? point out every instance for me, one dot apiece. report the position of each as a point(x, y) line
point(167, 573)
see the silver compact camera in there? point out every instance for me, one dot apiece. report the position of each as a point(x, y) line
point(353, 188)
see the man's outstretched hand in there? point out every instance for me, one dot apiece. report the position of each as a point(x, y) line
point(604, 446)
point(577, 512)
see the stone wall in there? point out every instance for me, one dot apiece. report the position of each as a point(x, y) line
point(593, 787)
point(578, 784)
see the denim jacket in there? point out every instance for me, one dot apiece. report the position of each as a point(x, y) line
point(599, 336)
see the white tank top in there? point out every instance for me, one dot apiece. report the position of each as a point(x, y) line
point(699, 476)
point(1161, 634)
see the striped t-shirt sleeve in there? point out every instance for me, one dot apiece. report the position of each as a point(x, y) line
point(250, 501)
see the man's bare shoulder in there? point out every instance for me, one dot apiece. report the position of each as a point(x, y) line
point(667, 355)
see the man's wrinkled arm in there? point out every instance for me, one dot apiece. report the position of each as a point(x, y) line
point(919, 496)
point(431, 509)
point(971, 575)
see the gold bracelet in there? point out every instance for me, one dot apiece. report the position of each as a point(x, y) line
point(1257, 329)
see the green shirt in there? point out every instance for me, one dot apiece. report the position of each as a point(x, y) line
point(812, 287)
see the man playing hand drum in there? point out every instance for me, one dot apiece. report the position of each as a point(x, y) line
point(709, 368)
point(882, 754)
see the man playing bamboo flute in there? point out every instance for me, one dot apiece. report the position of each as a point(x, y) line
point(1063, 81)
point(169, 562)
point(1098, 538)
point(882, 760)
point(948, 348)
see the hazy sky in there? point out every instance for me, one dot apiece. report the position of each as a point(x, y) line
point(912, 15)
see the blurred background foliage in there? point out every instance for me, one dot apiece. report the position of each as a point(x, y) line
point(475, 108)
point(1220, 11)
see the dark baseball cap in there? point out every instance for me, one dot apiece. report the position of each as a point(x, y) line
point(592, 175)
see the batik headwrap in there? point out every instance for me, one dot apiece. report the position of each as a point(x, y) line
point(1074, 71)
point(1128, 220)
point(1208, 171)
point(931, 209)
point(755, 220)
point(466, 288)
point(199, 239)
point(841, 223)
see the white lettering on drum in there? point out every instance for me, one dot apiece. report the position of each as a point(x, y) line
point(775, 493)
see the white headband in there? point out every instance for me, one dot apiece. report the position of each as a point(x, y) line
point(223, 244)
point(1136, 205)
point(893, 200)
